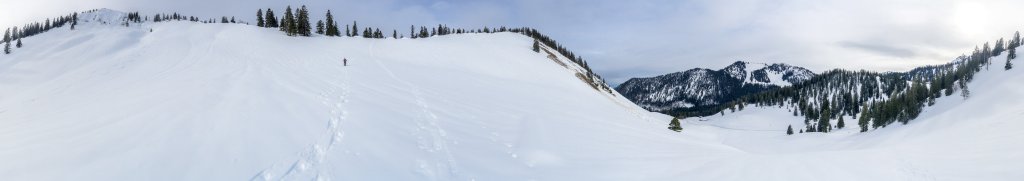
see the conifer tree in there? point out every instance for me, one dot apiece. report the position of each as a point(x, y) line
point(288, 22)
point(320, 27)
point(840, 124)
point(19, 43)
point(303, 27)
point(233, 19)
point(674, 125)
point(7, 35)
point(394, 34)
point(332, 26)
point(1008, 58)
point(355, 29)
point(271, 20)
point(789, 130)
point(536, 46)
point(412, 31)
point(823, 121)
point(74, 20)
point(259, 18)
point(864, 118)
point(7, 48)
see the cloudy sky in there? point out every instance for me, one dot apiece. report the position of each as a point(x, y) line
point(638, 38)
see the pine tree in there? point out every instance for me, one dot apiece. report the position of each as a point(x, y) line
point(233, 19)
point(74, 20)
point(789, 130)
point(823, 121)
point(864, 119)
point(259, 18)
point(320, 27)
point(288, 22)
point(302, 22)
point(19, 43)
point(840, 124)
point(963, 89)
point(394, 34)
point(536, 46)
point(348, 32)
point(271, 20)
point(674, 125)
point(7, 35)
point(332, 27)
point(1008, 64)
point(355, 29)
point(412, 31)
point(7, 48)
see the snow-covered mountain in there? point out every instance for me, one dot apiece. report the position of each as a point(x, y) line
point(183, 100)
point(698, 88)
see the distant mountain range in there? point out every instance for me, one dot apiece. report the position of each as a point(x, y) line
point(699, 88)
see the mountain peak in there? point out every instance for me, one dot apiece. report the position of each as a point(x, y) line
point(701, 87)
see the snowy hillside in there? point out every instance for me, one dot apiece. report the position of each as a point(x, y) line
point(977, 138)
point(192, 101)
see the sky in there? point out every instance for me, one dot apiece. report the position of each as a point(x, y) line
point(643, 38)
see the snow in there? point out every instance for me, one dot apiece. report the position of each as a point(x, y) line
point(977, 138)
point(193, 101)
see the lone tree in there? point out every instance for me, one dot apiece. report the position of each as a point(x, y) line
point(19, 43)
point(789, 130)
point(7, 48)
point(674, 125)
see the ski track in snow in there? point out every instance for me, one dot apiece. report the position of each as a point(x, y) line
point(427, 125)
point(309, 164)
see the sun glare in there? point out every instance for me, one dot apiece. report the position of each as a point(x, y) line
point(971, 18)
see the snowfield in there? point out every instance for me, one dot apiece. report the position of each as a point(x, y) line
point(192, 101)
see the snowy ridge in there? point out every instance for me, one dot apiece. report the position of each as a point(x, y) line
point(103, 16)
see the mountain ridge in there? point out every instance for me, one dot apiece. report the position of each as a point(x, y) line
point(701, 87)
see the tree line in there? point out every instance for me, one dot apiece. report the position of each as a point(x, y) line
point(31, 29)
point(297, 23)
point(873, 99)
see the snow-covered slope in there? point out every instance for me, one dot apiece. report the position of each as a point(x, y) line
point(191, 101)
point(977, 138)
